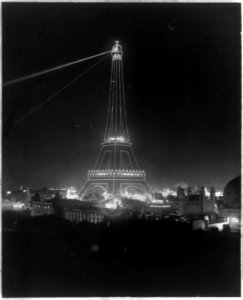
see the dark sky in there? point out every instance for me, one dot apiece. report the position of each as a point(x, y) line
point(182, 65)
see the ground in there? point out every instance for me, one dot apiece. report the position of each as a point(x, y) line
point(47, 256)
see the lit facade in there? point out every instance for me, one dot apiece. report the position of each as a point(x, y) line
point(72, 210)
point(41, 209)
point(194, 204)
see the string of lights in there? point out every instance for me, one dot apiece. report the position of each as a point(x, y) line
point(116, 97)
point(124, 104)
point(109, 108)
point(120, 95)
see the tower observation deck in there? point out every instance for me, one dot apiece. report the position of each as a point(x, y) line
point(116, 171)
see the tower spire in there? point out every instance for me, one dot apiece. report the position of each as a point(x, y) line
point(116, 172)
point(116, 125)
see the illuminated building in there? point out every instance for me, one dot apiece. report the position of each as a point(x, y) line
point(21, 195)
point(72, 210)
point(158, 210)
point(16, 200)
point(232, 194)
point(60, 191)
point(49, 193)
point(231, 204)
point(191, 204)
point(199, 203)
point(116, 173)
point(41, 208)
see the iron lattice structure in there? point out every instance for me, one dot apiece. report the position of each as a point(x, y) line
point(116, 171)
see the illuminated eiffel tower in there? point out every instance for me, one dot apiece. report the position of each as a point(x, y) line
point(116, 172)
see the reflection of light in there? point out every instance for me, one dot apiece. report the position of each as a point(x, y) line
point(234, 220)
point(8, 192)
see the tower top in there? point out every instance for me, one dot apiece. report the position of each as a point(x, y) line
point(116, 51)
point(116, 125)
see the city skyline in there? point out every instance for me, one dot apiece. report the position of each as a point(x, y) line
point(182, 89)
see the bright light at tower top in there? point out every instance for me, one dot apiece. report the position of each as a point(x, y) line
point(116, 51)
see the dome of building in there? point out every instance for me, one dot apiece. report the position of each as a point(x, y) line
point(181, 184)
point(232, 193)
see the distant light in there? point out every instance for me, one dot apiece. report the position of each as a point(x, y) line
point(166, 192)
point(207, 193)
point(218, 194)
point(158, 201)
point(113, 204)
point(71, 193)
point(9, 192)
point(234, 220)
point(160, 206)
point(18, 205)
point(135, 196)
point(107, 196)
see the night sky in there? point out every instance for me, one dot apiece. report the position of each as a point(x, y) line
point(182, 65)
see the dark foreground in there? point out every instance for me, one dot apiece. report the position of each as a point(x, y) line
point(49, 257)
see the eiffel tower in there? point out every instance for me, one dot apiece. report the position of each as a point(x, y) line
point(116, 172)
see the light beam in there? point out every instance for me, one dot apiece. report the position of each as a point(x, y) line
point(51, 70)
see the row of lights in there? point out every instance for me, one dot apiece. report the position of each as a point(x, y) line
point(116, 139)
point(116, 172)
